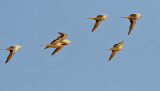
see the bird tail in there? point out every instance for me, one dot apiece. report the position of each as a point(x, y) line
point(5, 49)
point(91, 18)
point(127, 17)
point(109, 49)
point(47, 46)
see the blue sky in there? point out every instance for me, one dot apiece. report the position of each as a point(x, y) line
point(81, 65)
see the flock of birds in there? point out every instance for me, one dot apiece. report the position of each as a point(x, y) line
point(61, 41)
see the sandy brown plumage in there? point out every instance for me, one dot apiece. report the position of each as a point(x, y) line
point(113, 54)
point(13, 50)
point(115, 49)
point(58, 43)
point(132, 18)
point(57, 49)
point(133, 22)
point(96, 25)
point(98, 19)
point(10, 55)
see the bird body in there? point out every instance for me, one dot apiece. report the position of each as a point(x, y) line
point(66, 42)
point(98, 19)
point(115, 49)
point(13, 50)
point(58, 43)
point(133, 18)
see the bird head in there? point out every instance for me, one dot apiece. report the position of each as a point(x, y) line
point(138, 14)
point(122, 42)
point(70, 41)
point(106, 15)
point(18, 46)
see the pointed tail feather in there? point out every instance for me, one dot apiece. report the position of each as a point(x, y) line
point(127, 17)
point(109, 49)
point(91, 18)
point(6, 49)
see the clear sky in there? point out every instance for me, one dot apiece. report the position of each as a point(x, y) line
point(82, 65)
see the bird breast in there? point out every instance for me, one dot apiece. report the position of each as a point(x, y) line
point(57, 45)
point(103, 18)
point(138, 16)
point(65, 41)
point(17, 48)
point(121, 47)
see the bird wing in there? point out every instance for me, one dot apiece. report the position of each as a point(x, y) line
point(133, 22)
point(96, 25)
point(63, 35)
point(60, 38)
point(10, 55)
point(57, 49)
point(133, 16)
point(100, 16)
point(118, 44)
point(57, 40)
point(113, 54)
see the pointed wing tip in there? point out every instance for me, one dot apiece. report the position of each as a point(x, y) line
point(52, 54)
point(128, 33)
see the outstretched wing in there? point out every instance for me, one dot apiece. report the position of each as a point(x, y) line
point(57, 49)
point(63, 35)
point(113, 54)
point(10, 55)
point(96, 25)
point(133, 22)
point(60, 38)
point(119, 44)
point(57, 40)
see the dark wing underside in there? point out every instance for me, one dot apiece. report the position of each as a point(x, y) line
point(57, 49)
point(100, 16)
point(96, 25)
point(113, 54)
point(10, 55)
point(133, 22)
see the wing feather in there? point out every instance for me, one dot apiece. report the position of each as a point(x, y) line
point(57, 49)
point(10, 55)
point(113, 54)
point(96, 25)
point(133, 22)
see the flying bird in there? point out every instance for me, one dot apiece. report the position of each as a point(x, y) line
point(13, 50)
point(133, 18)
point(98, 19)
point(115, 49)
point(58, 43)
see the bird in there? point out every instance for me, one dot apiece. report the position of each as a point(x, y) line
point(133, 18)
point(58, 43)
point(98, 19)
point(13, 50)
point(115, 49)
